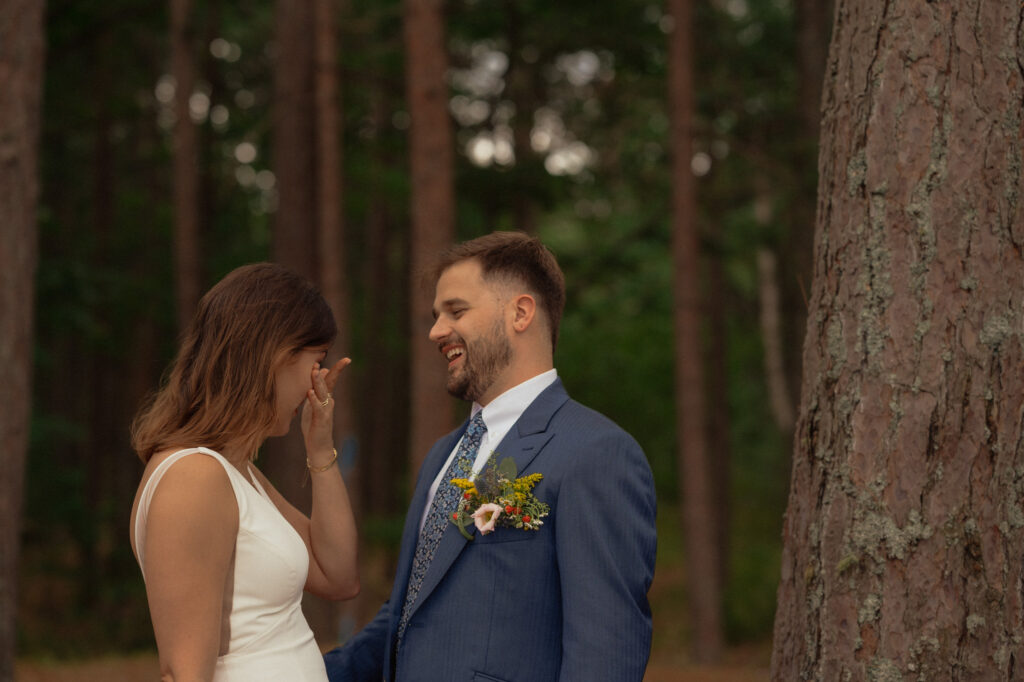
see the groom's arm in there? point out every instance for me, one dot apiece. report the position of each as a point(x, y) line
point(361, 658)
point(606, 544)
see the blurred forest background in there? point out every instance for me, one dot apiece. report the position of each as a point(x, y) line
point(179, 140)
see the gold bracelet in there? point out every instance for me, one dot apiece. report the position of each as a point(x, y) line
point(317, 470)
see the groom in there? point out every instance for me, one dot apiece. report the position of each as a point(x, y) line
point(564, 601)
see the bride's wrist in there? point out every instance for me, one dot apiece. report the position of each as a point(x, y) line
point(321, 462)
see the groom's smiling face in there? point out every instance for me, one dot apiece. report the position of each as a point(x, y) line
point(470, 333)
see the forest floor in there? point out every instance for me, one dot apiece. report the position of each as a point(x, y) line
point(740, 666)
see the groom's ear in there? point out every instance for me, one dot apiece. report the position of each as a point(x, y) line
point(524, 309)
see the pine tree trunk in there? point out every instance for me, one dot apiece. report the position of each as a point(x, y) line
point(794, 254)
point(187, 251)
point(334, 281)
point(779, 398)
point(296, 238)
point(904, 532)
point(813, 21)
point(21, 79)
point(102, 420)
point(294, 242)
point(385, 379)
point(333, 269)
point(696, 480)
point(719, 444)
point(521, 91)
point(433, 214)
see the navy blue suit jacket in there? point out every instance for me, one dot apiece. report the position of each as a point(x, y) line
point(567, 602)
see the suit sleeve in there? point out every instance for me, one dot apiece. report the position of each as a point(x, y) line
point(606, 544)
point(361, 658)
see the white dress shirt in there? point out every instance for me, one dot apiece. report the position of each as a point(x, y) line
point(499, 415)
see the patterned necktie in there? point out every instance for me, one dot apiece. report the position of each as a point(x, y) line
point(441, 508)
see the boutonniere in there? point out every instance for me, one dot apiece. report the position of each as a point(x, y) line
point(498, 499)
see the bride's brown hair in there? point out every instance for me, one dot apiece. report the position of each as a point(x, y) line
point(220, 386)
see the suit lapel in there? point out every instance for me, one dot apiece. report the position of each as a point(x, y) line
point(410, 534)
point(530, 433)
point(524, 441)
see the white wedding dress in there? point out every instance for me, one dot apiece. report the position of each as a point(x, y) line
point(270, 639)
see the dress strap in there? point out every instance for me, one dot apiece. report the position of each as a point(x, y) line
point(259, 486)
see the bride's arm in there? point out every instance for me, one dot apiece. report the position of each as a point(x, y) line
point(329, 533)
point(190, 539)
point(330, 530)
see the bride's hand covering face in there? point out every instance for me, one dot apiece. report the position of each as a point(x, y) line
point(318, 411)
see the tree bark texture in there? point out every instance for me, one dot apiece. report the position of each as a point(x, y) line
point(334, 272)
point(433, 213)
point(696, 481)
point(294, 242)
point(294, 139)
point(21, 77)
point(904, 535)
point(187, 250)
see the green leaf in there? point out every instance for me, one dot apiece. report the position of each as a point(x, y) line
point(507, 469)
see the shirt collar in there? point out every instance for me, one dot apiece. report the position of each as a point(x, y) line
point(502, 412)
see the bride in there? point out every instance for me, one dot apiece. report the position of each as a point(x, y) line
point(224, 556)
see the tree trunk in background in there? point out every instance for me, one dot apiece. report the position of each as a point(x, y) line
point(795, 253)
point(209, 204)
point(382, 400)
point(813, 24)
point(385, 377)
point(187, 251)
point(719, 447)
point(779, 397)
point(519, 79)
point(431, 159)
point(334, 274)
point(698, 508)
point(294, 241)
point(904, 533)
point(21, 78)
point(102, 420)
point(297, 236)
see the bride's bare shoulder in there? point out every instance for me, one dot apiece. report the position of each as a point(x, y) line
point(194, 486)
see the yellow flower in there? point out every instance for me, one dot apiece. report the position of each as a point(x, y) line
point(465, 484)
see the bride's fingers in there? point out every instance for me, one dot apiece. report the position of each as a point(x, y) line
point(319, 394)
point(335, 372)
point(317, 403)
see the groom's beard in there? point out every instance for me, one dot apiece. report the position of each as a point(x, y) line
point(485, 358)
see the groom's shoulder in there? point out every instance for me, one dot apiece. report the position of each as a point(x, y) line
point(588, 423)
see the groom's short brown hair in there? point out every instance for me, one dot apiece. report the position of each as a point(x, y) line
point(518, 257)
